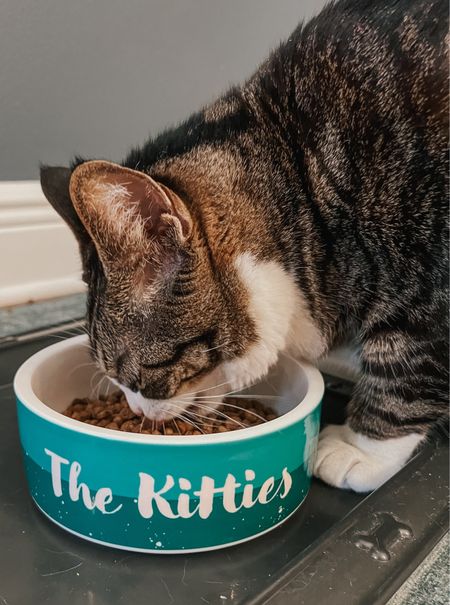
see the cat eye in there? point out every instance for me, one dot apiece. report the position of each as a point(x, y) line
point(166, 362)
point(160, 364)
point(194, 375)
point(180, 349)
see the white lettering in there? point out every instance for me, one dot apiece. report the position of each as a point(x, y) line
point(229, 494)
point(247, 494)
point(55, 471)
point(75, 488)
point(206, 496)
point(102, 497)
point(148, 495)
point(265, 490)
point(287, 483)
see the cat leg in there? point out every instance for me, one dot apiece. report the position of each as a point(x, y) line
point(401, 396)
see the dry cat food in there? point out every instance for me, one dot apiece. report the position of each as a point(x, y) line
point(113, 412)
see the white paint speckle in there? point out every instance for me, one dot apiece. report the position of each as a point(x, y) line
point(158, 543)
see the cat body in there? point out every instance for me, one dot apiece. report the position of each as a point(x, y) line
point(305, 207)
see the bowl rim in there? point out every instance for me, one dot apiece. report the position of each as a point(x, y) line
point(26, 396)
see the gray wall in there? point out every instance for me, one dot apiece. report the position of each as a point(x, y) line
point(96, 77)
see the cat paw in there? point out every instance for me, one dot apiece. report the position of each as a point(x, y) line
point(353, 461)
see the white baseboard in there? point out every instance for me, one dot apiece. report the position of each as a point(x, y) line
point(38, 254)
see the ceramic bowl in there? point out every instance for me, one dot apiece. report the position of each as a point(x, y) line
point(156, 493)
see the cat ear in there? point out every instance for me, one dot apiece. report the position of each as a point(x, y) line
point(55, 185)
point(132, 219)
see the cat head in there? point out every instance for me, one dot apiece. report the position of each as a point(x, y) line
point(167, 320)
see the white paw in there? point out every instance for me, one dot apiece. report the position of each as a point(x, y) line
point(353, 461)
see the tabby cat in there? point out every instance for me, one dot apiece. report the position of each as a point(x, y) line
point(307, 206)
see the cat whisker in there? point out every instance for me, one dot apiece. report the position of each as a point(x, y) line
point(216, 411)
point(219, 346)
point(185, 408)
point(190, 412)
point(65, 337)
point(202, 417)
point(142, 424)
point(233, 392)
point(93, 377)
point(99, 387)
point(238, 396)
point(74, 331)
point(189, 421)
point(237, 407)
point(80, 365)
point(216, 386)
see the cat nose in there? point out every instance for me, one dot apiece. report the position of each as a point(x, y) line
point(133, 385)
point(157, 390)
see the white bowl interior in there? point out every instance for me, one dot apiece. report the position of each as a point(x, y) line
point(70, 373)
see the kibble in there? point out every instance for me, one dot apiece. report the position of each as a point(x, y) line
point(112, 412)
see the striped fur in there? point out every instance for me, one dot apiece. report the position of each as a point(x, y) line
point(328, 165)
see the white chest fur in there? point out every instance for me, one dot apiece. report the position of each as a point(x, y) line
point(282, 319)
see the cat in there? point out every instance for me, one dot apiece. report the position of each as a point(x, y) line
point(303, 207)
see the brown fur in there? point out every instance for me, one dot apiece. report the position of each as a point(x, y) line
point(330, 162)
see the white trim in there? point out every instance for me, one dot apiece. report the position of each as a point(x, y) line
point(20, 193)
point(23, 203)
point(42, 290)
point(39, 253)
point(25, 393)
point(181, 551)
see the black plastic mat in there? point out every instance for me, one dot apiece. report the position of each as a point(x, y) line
point(339, 548)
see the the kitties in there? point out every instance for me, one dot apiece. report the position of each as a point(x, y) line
point(308, 205)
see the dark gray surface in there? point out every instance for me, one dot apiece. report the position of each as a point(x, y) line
point(94, 78)
point(312, 556)
point(370, 553)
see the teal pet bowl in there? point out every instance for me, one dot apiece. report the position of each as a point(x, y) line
point(166, 494)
